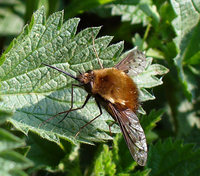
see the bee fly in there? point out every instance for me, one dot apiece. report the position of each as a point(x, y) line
point(113, 89)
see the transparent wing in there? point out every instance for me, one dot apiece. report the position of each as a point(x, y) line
point(132, 132)
point(133, 64)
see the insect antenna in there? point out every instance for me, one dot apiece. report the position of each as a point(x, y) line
point(68, 74)
point(95, 51)
point(65, 112)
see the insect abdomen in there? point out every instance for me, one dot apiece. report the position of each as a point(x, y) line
point(117, 87)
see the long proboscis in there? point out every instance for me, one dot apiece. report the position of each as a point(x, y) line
point(68, 74)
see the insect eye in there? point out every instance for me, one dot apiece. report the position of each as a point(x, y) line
point(89, 71)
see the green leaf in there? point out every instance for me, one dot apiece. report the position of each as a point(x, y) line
point(33, 5)
point(187, 28)
point(193, 136)
point(121, 155)
point(173, 158)
point(155, 53)
point(11, 21)
point(186, 118)
point(149, 121)
point(44, 152)
point(148, 79)
point(195, 59)
point(116, 161)
point(130, 13)
point(9, 141)
point(4, 115)
point(72, 164)
point(140, 12)
point(145, 95)
point(138, 41)
point(142, 173)
point(11, 162)
point(35, 93)
point(104, 164)
point(76, 7)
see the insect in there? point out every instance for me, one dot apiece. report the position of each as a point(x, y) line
point(114, 90)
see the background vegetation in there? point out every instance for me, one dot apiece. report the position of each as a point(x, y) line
point(168, 31)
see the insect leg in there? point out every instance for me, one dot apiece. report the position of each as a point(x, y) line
point(51, 118)
point(110, 127)
point(100, 110)
point(95, 51)
point(70, 110)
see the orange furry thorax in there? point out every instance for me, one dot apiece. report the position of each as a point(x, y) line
point(116, 86)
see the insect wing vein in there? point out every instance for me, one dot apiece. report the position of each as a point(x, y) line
point(133, 133)
point(133, 64)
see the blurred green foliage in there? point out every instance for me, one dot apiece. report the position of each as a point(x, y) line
point(166, 30)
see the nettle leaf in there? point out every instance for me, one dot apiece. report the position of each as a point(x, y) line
point(11, 162)
point(193, 136)
point(148, 79)
point(187, 28)
point(44, 152)
point(75, 7)
point(130, 13)
point(11, 21)
point(4, 115)
point(173, 158)
point(149, 122)
point(35, 93)
point(142, 173)
point(9, 141)
point(116, 161)
point(104, 164)
point(136, 12)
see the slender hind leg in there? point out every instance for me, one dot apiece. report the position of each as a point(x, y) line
point(95, 51)
point(110, 127)
point(100, 110)
point(70, 110)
